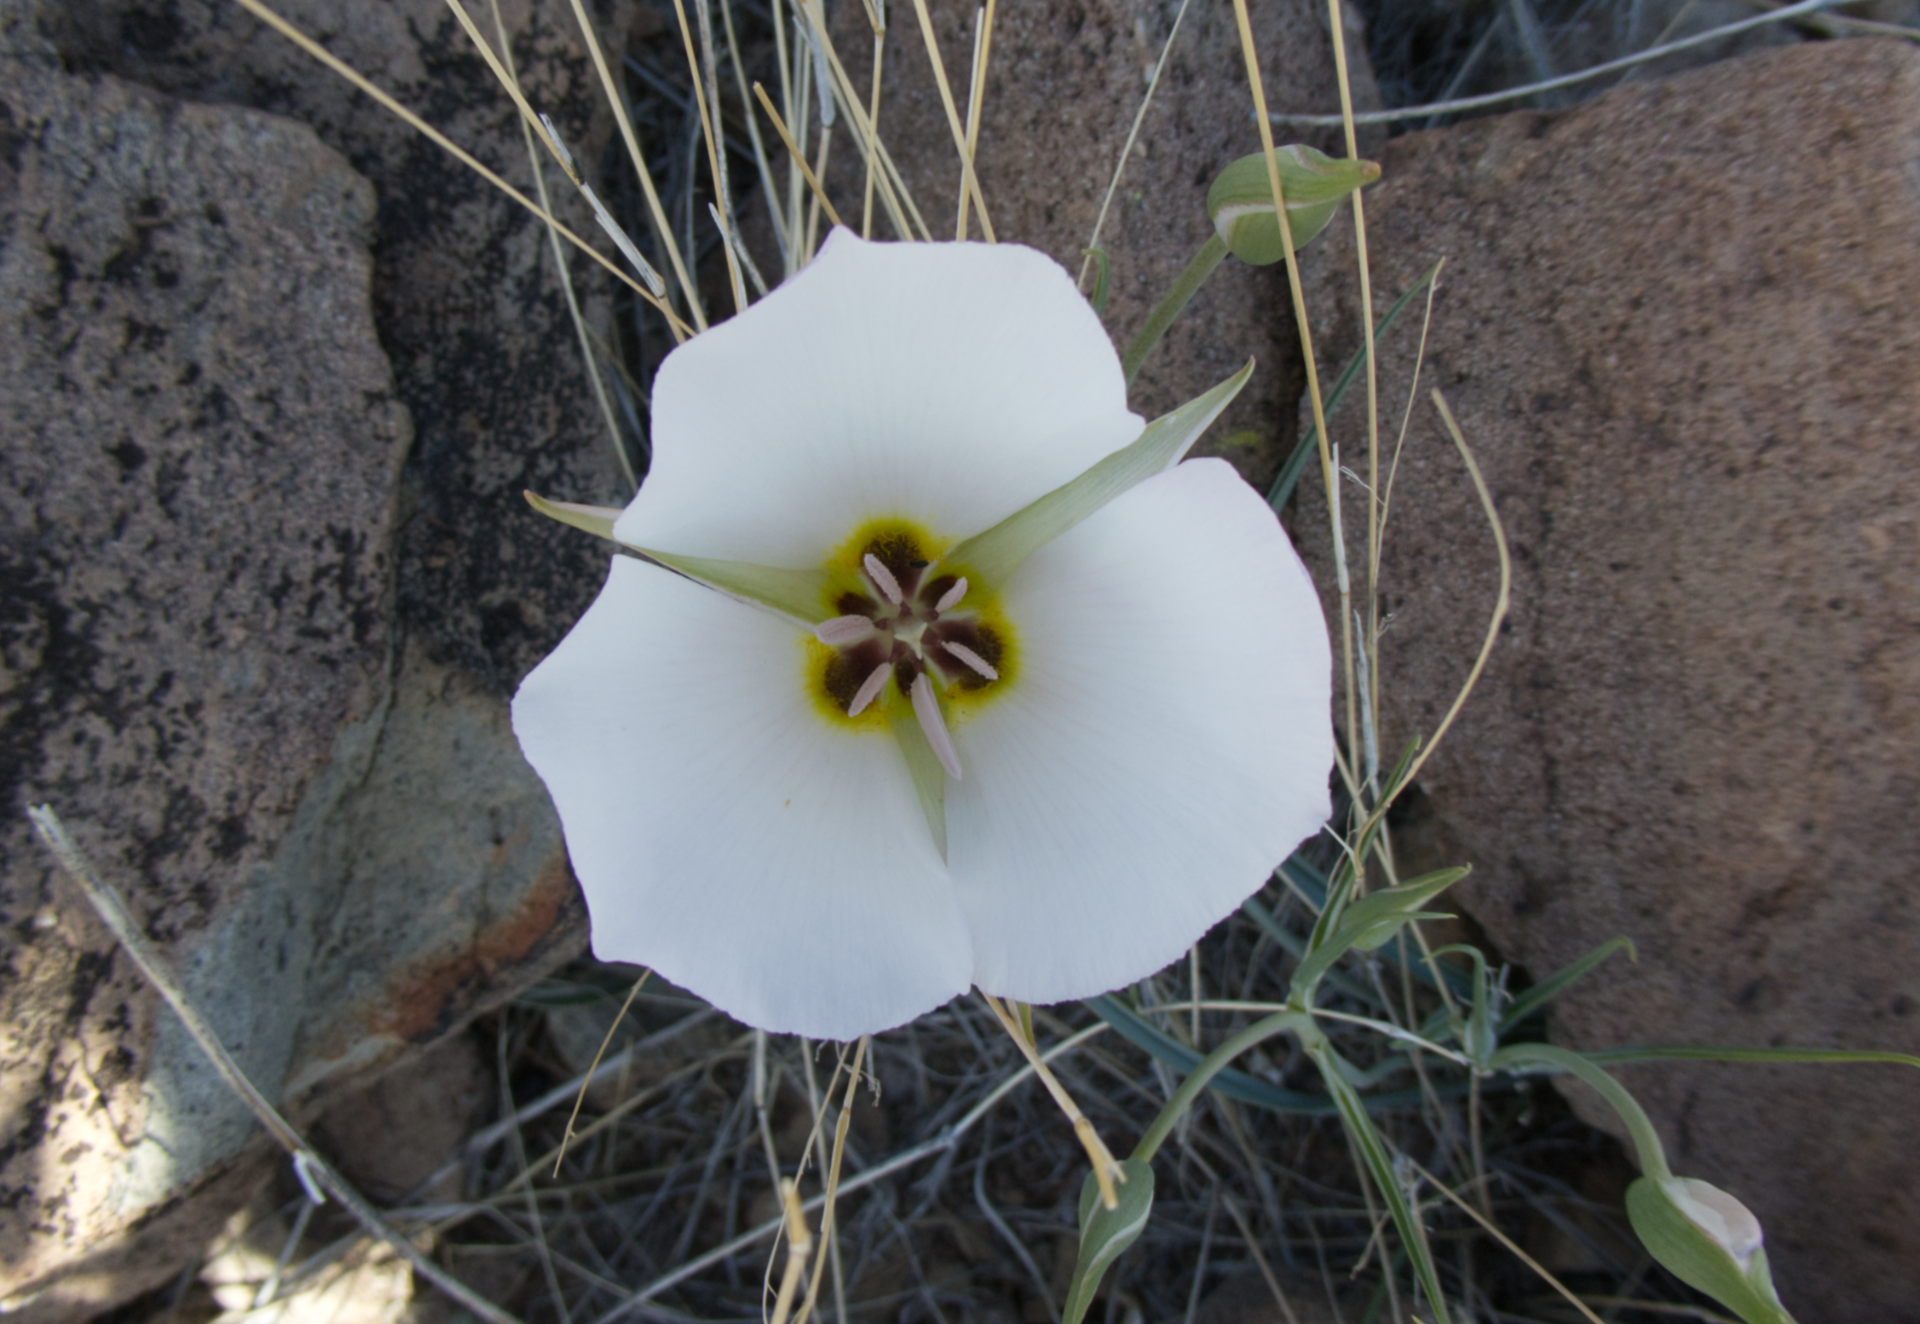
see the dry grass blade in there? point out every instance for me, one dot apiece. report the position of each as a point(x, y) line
point(1329, 470)
point(1500, 606)
point(662, 231)
point(318, 52)
point(112, 909)
point(529, 122)
point(1106, 1170)
point(799, 1246)
point(793, 152)
point(1509, 1243)
point(968, 176)
point(976, 95)
point(581, 1098)
point(711, 135)
point(1126, 148)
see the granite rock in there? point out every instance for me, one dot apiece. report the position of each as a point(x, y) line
point(1677, 325)
point(198, 487)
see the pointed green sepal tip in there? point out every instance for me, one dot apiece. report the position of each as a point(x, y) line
point(597, 520)
point(1313, 183)
point(1708, 1240)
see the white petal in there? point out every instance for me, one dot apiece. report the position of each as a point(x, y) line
point(1164, 744)
point(946, 383)
point(724, 832)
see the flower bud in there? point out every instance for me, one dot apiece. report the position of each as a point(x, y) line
point(1313, 183)
point(1708, 1240)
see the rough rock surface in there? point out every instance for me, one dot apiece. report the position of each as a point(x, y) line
point(484, 354)
point(346, 869)
point(1064, 83)
point(198, 489)
point(1678, 327)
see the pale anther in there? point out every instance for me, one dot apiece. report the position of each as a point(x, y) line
point(883, 579)
point(927, 709)
point(971, 658)
point(869, 689)
point(842, 630)
point(951, 598)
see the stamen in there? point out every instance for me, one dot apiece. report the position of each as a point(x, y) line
point(869, 689)
point(971, 658)
point(883, 579)
point(927, 709)
point(951, 598)
point(842, 630)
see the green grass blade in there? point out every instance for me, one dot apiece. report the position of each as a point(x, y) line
point(1537, 997)
point(1372, 1148)
point(1303, 450)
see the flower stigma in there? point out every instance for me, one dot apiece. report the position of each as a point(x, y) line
point(906, 629)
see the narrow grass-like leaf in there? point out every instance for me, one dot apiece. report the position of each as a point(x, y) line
point(1537, 997)
point(1150, 1039)
point(1632, 1054)
point(1373, 1152)
point(997, 553)
point(1106, 1233)
point(1289, 475)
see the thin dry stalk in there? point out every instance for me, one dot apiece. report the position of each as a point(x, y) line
point(968, 177)
point(318, 52)
point(1106, 1171)
point(794, 155)
point(572, 1117)
point(112, 909)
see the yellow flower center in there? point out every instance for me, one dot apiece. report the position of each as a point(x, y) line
point(901, 627)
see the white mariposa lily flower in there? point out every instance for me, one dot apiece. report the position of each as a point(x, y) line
point(991, 691)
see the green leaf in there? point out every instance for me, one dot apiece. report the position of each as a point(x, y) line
point(1106, 1233)
point(929, 778)
point(1533, 999)
point(1368, 924)
point(800, 595)
point(997, 553)
point(1690, 1254)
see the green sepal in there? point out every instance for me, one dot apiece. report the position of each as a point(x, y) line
point(997, 553)
point(597, 520)
point(1313, 183)
point(1103, 274)
point(798, 594)
point(1691, 1254)
point(929, 778)
point(1368, 924)
point(1106, 1233)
